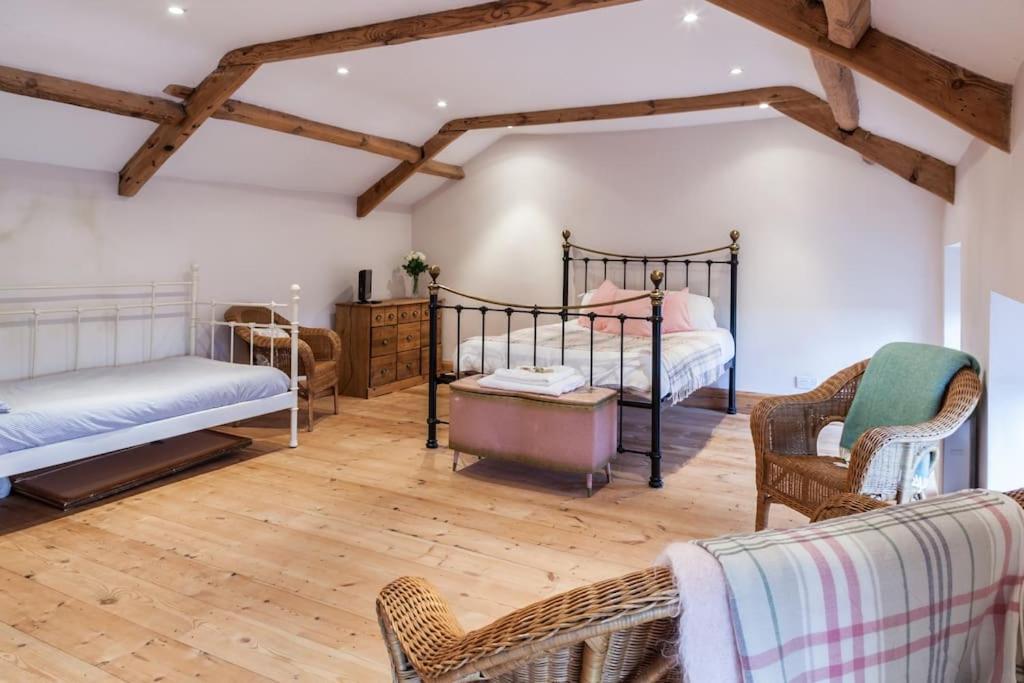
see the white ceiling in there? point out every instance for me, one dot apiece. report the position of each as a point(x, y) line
point(637, 51)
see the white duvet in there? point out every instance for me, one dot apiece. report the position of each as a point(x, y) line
point(690, 360)
point(70, 405)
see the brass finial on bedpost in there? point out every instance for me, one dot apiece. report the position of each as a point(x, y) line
point(657, 295)
point(434, 272)
point(735, 246)
point(566, 234)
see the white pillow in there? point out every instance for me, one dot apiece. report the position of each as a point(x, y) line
point(702, 312)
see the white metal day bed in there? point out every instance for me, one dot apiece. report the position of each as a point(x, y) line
point(147, 379)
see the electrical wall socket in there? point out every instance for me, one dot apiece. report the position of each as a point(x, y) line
point(805, 382)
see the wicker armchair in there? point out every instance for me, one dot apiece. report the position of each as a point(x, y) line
point(786, 428)
point(619, 630)
point(616, 630)
point(319, 353)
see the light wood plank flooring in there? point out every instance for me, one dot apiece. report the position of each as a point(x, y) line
point(265, 566)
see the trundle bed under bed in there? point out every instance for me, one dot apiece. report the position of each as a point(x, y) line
point(65, 416)
point(667, 366)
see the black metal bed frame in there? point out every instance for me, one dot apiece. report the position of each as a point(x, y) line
point(575, 253)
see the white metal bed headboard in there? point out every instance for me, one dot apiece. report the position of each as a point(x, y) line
point(143, 296)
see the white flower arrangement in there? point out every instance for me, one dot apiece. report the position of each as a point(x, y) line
point(414, 265)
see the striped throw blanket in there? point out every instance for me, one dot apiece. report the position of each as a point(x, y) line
point(690, 360)
point(923, 592)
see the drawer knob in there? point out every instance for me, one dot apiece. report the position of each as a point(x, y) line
point(385, 342)
point(408, 337)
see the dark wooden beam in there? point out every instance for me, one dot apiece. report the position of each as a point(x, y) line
point(914, 166)
point(41, 86)
point(979, 105)
point(270, 119)
point(382, 189)
point(840, 91)
point(203, 103)
point(395, 32)
point(848, 21)
point(677, 105)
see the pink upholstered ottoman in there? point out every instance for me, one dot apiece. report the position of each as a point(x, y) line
point(575, 432)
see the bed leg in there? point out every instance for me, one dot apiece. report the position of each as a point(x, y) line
point(293, 442)
point(590, 485)
point(5, 487)
point(732, 390)
point(455, 461)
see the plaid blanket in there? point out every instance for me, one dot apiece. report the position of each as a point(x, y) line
point(922, 592)
point(690, 360)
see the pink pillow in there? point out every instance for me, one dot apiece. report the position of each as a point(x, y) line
point(675, 313)
point(605, 294)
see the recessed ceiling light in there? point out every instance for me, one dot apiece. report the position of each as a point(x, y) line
point(691, 17)
point(736, 71)
point(510, 126)
point(763, 105)
point(176, 10)
point(343, 71)
point(441, 104)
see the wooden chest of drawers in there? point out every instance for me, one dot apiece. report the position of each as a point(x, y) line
point(385, 346)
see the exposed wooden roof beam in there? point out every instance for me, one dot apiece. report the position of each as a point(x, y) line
point(979, 105)
point(238, 65)
point(848, 21)
point(914, 166)
point(203, 103)
point(395, 32)
point(840, 90)
point(677, 105)
point(253, 115)
point(382, 189)
point(90, 96)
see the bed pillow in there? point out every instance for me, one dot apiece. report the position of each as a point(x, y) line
point(702, 312)
point(675, 314)
point(606, 293)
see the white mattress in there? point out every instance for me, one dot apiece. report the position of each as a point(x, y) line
point(690, 360)
point(70, 405)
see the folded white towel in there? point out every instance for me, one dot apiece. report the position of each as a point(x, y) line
point(550, 376)
point(4, 408)
point(570, 383)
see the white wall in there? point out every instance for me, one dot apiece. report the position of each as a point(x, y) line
point(988, 219)
point(64, 225)
point(838, 257)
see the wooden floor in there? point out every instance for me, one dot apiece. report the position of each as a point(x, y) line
point(266, 566)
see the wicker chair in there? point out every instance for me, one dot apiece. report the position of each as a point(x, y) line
point(319, 353)
point(619, 630)
point(786, 428)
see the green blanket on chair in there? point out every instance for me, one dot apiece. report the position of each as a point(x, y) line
point(904, 384)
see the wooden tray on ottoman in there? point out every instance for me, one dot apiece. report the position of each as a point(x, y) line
point(85, 481)
point(574, 432)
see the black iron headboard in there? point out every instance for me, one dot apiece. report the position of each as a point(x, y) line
point(715, 257)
